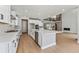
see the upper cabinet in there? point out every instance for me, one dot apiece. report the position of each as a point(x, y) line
point(5, 13)
point(55, 18)
point(14, 18)
point(36, 22)
point(8, 15)
point(59, 17)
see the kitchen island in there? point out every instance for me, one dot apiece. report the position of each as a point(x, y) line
point(46, 38)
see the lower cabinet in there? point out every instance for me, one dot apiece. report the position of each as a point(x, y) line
point(12, 47)
point(4, 48)
point(9, 47)
point(39, 39)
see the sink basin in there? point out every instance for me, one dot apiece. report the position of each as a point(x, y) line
point(11, 31)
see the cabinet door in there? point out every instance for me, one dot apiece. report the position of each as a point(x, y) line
point(17, 42)
point(48, 38)
point(3, 48)
point(12, 47)
point(40, 39)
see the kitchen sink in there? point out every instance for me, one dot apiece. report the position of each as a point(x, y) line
point(11, 31)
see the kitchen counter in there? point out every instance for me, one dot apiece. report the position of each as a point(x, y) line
point(9, 42)
point(7, 37)
point(46, 38)
point(47, 31)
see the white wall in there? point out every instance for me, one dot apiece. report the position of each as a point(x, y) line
point(69, 20)
point(77, 10)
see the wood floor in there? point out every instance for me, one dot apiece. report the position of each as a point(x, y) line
point(66, 43)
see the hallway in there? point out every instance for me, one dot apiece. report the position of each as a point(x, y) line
point(65, 43)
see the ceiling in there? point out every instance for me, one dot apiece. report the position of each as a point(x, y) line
point(41, 11)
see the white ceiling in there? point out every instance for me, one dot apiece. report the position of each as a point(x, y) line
point(41, 11)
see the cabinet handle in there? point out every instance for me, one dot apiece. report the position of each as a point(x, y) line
point(15, 44)
point(17, 40)
point(13, 41)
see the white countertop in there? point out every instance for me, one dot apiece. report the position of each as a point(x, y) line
point(48, 31)
point(7, 37)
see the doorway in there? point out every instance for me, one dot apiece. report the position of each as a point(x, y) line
point(24, 26)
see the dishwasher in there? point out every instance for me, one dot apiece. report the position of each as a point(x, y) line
point(36, 34)
point(36, 37)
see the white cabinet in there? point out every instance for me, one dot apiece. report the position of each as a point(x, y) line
point(4, 48)
point(5, 11)
point(47, 39)
point(36, 22)
point(14, 18)
point(31, 27)
point(9, 42)
point(9, 47)
point(12, 47)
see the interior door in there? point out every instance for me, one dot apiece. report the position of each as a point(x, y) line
point(24, 26)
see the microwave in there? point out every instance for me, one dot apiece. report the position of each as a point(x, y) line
point(36, 26)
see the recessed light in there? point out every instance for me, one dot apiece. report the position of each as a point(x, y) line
point(54, 16)
point(62, 9)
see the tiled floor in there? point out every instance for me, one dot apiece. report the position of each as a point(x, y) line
point(65, 43)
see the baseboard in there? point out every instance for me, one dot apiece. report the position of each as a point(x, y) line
point(50, 45)
point(69, 32)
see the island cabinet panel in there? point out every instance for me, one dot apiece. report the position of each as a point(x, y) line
point(48, 39)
